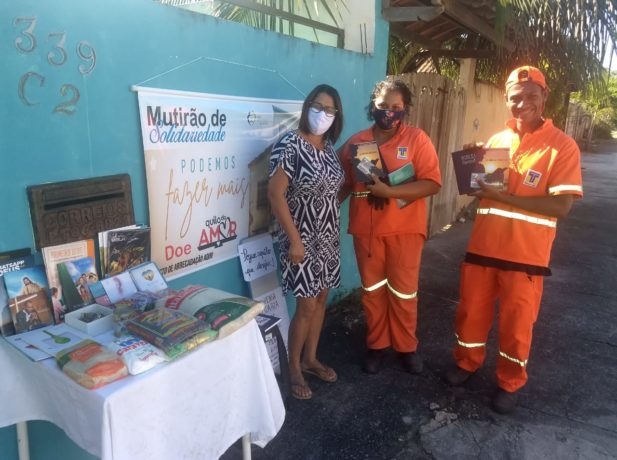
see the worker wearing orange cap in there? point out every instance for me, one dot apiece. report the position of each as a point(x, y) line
point(509, 249)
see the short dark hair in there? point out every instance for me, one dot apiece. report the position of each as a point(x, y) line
point(390, 86)
point(334, 131)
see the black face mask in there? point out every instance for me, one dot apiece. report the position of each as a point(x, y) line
point(388, 119)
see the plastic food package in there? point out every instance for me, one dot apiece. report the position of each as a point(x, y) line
point(90, 364)
point(172, 331)
point(138, 355)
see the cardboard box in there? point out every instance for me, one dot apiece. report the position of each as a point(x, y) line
point(94, 327)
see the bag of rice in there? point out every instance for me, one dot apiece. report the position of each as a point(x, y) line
point(90, 364)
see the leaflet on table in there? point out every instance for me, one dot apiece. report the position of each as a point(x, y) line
point(52, 339)
point(26, 348)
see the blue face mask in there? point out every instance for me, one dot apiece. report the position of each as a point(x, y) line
point(387, 119)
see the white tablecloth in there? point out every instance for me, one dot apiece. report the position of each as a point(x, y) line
point(192, 408)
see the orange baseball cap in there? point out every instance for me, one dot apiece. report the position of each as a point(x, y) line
point(526, 73)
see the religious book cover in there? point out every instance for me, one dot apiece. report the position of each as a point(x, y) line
point(29, 302)
point(11, 261)
point(76, 277)
point(366, 160)
point(127, 249)
point(54, 255)
point(31, 311)
point(103, 242)
point(491, 165)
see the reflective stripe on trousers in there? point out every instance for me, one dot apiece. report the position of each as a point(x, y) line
point(398, 294)
point(480, 344)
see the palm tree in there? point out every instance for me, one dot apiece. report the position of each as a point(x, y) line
point(568, 39)
point(282, 15)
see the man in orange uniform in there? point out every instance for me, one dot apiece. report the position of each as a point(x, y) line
point(388, 235)
point(509, 250)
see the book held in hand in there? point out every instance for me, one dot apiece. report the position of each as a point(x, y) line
point(366, 160)
point(402, 175)
point(489, 165)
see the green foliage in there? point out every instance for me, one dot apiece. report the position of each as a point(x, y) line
point(567, 39)
point(261, 20)
point(600, 101)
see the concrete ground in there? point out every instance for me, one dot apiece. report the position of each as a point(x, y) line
point(568, 409)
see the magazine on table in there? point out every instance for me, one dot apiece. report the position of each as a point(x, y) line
point(11, 261)
point(54, 255)
point(76, 277)
point(29, 302)
point(127, 249)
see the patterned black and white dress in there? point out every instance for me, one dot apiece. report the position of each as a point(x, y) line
point(315, 178)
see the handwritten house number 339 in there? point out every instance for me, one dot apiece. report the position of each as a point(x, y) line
point(26, 42)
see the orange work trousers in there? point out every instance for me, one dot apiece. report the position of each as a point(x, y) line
point(389, 268)
point(519, 296)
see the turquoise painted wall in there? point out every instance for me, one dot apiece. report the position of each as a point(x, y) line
point(98, 134)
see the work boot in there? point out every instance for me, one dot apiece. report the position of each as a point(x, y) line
point(456, 376)
point(412, 362)
point(373, 361)
point(504, 401)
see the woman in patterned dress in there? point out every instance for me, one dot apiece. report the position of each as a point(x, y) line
point(305, 178)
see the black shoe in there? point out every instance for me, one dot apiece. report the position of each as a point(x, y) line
point(412, 362)
point(372, 361)
point(456, 376)
point(504, 401)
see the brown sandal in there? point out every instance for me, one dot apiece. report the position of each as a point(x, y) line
point(324, 373)
point(301, 391)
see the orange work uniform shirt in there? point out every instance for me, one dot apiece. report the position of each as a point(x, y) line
point(544, 162)
point(408, 145)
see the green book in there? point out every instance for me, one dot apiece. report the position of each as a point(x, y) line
point(402, 175)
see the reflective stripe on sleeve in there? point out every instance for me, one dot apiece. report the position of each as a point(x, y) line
point(374, 286)
point(565, 188)
point(518, 216)
point(469, 344)
point(514, 360)
point(400, 295)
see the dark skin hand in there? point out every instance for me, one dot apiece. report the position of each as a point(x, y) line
point(409, 191)
point(550, 205)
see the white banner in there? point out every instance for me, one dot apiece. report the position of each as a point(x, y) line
point(206, 162)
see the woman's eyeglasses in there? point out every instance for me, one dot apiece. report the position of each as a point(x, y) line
point(317, 107)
